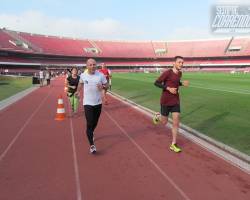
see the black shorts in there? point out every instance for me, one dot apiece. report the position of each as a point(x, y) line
point(165, 110)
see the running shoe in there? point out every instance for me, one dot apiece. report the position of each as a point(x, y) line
point(157, 118)
point(92, 149)
point(175, 148)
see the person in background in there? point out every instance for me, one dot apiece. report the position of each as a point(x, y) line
point(48, 77)
point(41, 77)
point(110, 79)
point(105, 72)
point(72, 84)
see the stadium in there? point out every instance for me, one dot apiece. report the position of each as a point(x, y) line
point(44, 151)
point(21, 51)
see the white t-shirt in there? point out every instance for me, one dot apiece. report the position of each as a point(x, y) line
point(92, 95)
point(41, 74)
point(47, 75)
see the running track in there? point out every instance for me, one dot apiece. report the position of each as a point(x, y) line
point(41, 158)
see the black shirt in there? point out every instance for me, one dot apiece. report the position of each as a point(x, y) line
point(73, 82)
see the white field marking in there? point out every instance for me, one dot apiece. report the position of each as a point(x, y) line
point(182, 193)
point(75, 161)
point(221, 90)
point(23, 127)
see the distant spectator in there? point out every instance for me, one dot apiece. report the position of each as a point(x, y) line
point(48, 77)
point(41, 77)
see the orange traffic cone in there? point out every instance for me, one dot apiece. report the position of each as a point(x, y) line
point(60, 113)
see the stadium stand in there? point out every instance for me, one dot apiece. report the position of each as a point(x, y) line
point(59, 46)
point(239, 46)
point(7, 42)
point(124, 49)
point(19, 47)
point(25, 43)
point(160, 48)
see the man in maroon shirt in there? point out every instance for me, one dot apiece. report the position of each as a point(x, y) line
point(104, 70)
point(169, 81)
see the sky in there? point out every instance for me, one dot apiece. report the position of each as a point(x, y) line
point(112, 19)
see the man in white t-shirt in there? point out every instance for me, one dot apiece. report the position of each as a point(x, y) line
point(93, 82)
point(41, 77)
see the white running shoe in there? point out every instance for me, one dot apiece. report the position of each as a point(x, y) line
point(92, 149)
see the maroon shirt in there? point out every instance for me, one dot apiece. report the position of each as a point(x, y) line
point(171, 79)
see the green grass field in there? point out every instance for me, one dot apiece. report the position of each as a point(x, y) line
point(12, 85)
point(215, 104)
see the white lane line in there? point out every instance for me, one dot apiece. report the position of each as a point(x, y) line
point(23, 127)
point(221, 90)
point(75, 161)
point(183, 194)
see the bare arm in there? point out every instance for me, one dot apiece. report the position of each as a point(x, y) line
point(185, 83)
point(79, 88)
point(103, 86)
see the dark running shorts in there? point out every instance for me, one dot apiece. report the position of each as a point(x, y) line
point(165, 110)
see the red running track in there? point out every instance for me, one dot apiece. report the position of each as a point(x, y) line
point(41, 158)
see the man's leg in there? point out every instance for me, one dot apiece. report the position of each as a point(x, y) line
point(89, 115)
point(110, 84)
point(164, 120)
point(97, 113)
point(161, 117)
point(176, 123)
point(164, 114)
